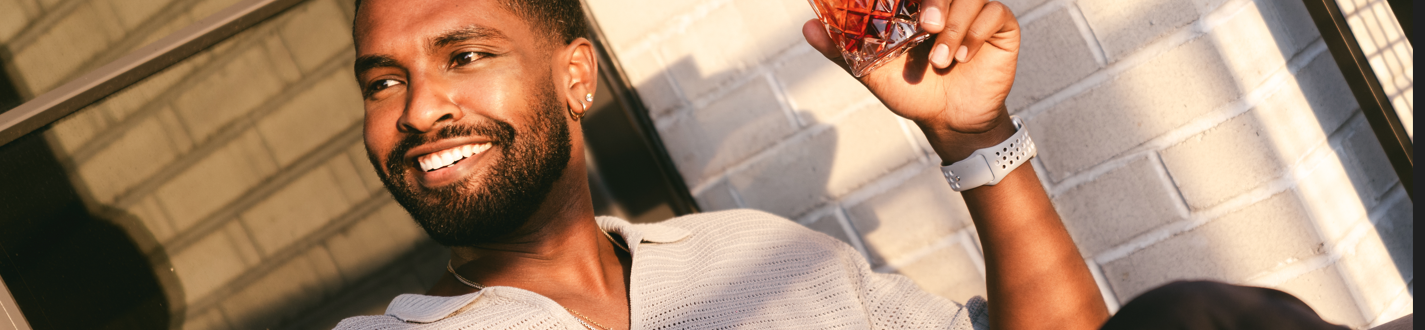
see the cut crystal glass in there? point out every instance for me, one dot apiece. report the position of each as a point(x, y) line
point(870, 32)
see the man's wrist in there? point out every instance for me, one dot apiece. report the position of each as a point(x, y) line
point(952, 145)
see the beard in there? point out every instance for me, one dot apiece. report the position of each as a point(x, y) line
point(473, 211)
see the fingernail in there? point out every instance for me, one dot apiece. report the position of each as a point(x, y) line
point(931, 16)
point(960, 54)
point(941, 55)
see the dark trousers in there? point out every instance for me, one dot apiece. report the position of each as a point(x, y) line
point(1213, 305)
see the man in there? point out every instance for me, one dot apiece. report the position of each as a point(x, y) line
point(472, 110)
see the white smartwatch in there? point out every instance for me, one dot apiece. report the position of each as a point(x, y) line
point(986, 167)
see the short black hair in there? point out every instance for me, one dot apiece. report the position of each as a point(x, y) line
point(562, 19)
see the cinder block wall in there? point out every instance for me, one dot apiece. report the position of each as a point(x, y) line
point(1180, 139)
point(239, 171)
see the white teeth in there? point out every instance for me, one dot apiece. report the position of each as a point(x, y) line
point(443, 158)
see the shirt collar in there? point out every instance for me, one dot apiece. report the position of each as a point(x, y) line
point(419, 308)
point(634, 235)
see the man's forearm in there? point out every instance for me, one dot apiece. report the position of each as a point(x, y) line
point(1035, 276)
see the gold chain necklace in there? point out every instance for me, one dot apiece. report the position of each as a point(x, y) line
point(582, 319)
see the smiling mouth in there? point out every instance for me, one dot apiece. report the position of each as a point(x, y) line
point(445, 158)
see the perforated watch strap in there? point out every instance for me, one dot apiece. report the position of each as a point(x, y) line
point(990, 165)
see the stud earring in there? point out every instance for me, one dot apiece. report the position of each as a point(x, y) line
point(589, 97)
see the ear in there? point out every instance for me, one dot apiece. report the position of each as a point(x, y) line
point(583, 73)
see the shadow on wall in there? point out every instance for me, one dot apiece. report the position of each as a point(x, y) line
point(69, 268)
point(1256, 142)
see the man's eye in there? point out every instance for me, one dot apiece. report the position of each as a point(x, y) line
point(380, 85)
point(464, 58)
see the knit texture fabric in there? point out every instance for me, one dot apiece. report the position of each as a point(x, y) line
point(739, 269)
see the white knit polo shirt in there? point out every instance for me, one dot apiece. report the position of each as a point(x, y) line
point(739, 269)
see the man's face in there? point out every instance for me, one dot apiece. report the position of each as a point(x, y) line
point(464, 122)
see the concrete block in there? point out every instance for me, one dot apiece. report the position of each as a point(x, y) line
point(233, 91)
point(282, 63)
point(209, 320)
point(1122, 27)
point(626, 22)
point(1327, 294)
point(280, 295)
point(301, 207)
point(1305, 110)
point(134, 13)
point(1243, 43)
point(357, 154)
point(64, 48)
point(217, 180)
point(346, 176)
point(829, 164)
point(315, 32)
point(1019, 7)
point(716, 198)
point(136, 97)
point(373, 243)
point(708, 140)
point(650, 79)
point(818, 89)
point(830, 224)
point(13, 18)
point(1223, 162)
point(1337, 204)
point(1118, 206)
point(134, 156)
point(1291, 25)
point(1142, 103)
point(213, 261)
point(1365, 161)
point(1052, 55)
point(908, 218)
point(77, 128)
point(1233, 248)
point(330, 107)
point(948, 272)
point(151, 213)
point(1381, 263)
point(748, 33)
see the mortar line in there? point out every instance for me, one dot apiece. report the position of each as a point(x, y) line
point(1284, 182)
point(283, 176)
point(1086, 31)
point(786, 142)
point(354, 214)
point(1147, 53)
point(676, 25)
point(212, 66)
point(43, 22)
point(1269, 86)
point(852, 233)
point(1038, 12)
point(1110, 299)
point(977, 257)
point(783, 102)
point(219, 139)
point(942, 243)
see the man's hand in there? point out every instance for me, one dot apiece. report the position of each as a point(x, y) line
point(954, 84)
point(954, 88)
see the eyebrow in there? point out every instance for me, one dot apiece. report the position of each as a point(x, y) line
point(369, 62)
point(472, 32)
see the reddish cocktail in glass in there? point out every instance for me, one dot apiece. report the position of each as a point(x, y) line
point(871, 32)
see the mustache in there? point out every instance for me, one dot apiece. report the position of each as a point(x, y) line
point(500, 134)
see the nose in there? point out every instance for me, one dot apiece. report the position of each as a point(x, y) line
point(429, 106)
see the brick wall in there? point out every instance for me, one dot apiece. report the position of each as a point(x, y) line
point(240, 170)
point(1180, 139)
